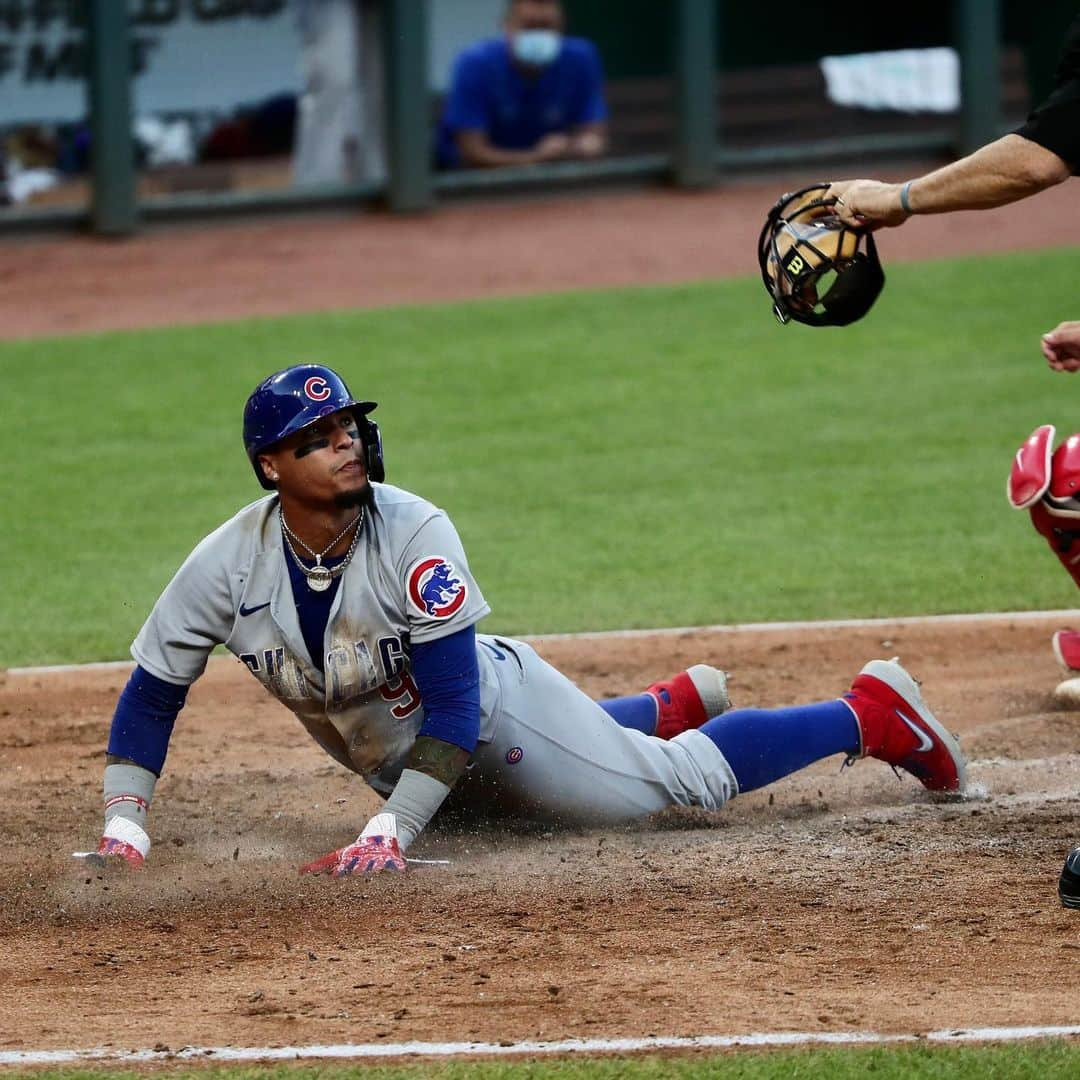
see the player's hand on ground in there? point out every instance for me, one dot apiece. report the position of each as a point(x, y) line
point(323, 865)
point(113, 851)
point(366, 855)
point(369, 855)
point(375, 849)
point(123, 843)
point(1061, 347)
point(866, 204)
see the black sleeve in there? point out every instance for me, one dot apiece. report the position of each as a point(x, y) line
point(1068, 69)
point(1055, 122)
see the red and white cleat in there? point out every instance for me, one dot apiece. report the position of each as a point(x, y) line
point(895, 726)
point(1067, 650)
point(689, 699)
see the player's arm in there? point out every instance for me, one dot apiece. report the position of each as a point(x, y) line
point(478, 151)
point(441, 761)
point(1039, 154)
point(1002, 172)
point(138, 742)
point(447, 675)
point(192, 615)
point(999, 173)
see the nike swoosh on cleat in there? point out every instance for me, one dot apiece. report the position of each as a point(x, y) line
point(925, 742)
point(252, 610)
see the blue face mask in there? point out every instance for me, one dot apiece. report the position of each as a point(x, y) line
point(537, 48)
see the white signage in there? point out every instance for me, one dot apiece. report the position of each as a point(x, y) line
point(186, 55)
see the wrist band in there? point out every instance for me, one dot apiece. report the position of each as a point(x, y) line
point(905, 203)
point(127, 832)
point(412, 804)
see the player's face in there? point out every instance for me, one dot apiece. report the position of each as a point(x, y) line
point(322, 462)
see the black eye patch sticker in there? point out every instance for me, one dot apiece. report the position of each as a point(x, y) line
point(310, 447)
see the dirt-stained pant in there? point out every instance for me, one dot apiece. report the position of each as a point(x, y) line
point(557, 755)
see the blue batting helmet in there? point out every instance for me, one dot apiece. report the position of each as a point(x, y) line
point(300, 395)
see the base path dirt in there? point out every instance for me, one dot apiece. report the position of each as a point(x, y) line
point(829, 902)
point(187, 274)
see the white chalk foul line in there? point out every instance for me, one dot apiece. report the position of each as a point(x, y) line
point(566, 1046)
point(676, 631)
point(825, 624)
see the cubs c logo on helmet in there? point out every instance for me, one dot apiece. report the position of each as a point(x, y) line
point(316, 388)
point(435, 589)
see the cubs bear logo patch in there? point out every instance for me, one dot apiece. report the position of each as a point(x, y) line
point(435, 589)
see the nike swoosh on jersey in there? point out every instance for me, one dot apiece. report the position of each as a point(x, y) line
point(252, 610)
point(925, 742)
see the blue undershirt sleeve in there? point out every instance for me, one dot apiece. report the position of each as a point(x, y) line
point(144, 718)
point(448, 678)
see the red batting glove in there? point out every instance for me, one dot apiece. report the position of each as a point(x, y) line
point(324, 865)
point(122, 839)
point(110, 847)
point(366, 855)
point(369, 855)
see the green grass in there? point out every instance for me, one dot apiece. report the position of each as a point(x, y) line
point(630, 458)
point(1043, 1060)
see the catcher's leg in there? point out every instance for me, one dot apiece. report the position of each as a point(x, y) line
point(1046, 483)
point(1063, 536)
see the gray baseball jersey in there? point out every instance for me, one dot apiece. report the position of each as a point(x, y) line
point(545, 746)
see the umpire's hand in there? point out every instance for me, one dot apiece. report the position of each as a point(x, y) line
point(867, 204)
point(1061, 347)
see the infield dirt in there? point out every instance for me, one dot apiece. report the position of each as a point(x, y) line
point(830, 901)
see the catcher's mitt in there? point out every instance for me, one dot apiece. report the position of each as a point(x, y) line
point(817, 269)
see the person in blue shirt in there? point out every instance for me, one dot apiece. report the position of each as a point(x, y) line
point(530, 95)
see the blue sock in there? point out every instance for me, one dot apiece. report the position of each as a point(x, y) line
point(637, 711)
point(762, 745)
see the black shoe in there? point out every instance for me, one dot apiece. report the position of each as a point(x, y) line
point(1069, 884)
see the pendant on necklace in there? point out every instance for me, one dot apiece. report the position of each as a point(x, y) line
point(319, 578)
